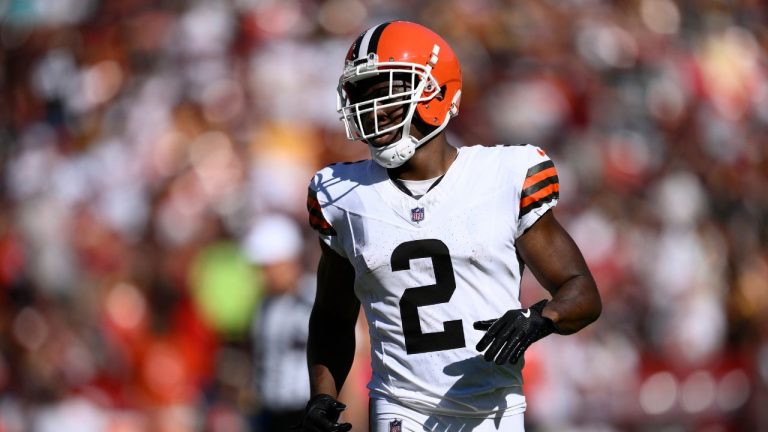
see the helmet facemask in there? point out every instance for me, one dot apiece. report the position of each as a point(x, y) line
point(409, 84)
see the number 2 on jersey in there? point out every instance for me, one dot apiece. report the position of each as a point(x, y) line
point(452, 335)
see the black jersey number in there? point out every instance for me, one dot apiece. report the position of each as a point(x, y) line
point(452, 335)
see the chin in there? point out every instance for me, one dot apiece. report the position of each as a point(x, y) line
point(384, 140)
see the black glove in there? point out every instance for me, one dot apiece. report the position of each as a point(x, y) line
point(322, 415)
point(510, 335)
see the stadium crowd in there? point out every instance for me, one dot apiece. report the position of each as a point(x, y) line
point(154, 162)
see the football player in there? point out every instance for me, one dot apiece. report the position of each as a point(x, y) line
point(432, 241)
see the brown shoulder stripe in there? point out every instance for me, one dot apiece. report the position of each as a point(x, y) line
point(541, 185)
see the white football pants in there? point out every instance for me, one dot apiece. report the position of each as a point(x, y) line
point(387, 417)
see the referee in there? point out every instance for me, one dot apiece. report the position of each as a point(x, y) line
point(279, 328)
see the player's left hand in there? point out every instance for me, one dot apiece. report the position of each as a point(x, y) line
point(510, 335)
point(322, 415)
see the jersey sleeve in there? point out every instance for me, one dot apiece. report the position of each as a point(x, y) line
point(320, 222)
point(540, 190)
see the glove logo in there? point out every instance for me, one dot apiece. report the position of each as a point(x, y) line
point(396, 426)
point(526, 314)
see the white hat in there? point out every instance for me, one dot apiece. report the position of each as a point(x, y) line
point(273, 238)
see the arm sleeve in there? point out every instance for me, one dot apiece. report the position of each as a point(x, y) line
point(320, 222)
point(540, 190)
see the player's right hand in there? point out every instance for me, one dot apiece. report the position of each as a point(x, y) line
point(322, 415)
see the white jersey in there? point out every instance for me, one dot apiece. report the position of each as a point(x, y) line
point(426, 269)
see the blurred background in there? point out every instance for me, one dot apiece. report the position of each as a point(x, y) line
point(156, 266)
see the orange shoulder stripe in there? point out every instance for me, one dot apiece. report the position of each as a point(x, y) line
point(543, 193)
point(532, 180)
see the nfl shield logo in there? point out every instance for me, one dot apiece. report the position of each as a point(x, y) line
point(417, 214)
point(396, 425)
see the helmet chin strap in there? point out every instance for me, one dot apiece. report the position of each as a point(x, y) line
point(399, 152)
point(395, 154)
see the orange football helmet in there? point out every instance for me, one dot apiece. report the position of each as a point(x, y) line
point(424, 78)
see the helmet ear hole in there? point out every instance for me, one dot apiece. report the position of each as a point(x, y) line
point(441, 95)
point(433, 112)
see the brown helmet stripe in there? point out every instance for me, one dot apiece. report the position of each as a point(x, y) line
point(368, 42)
point(373, 45)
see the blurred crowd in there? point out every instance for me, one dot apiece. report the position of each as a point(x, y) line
point(155, 261)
